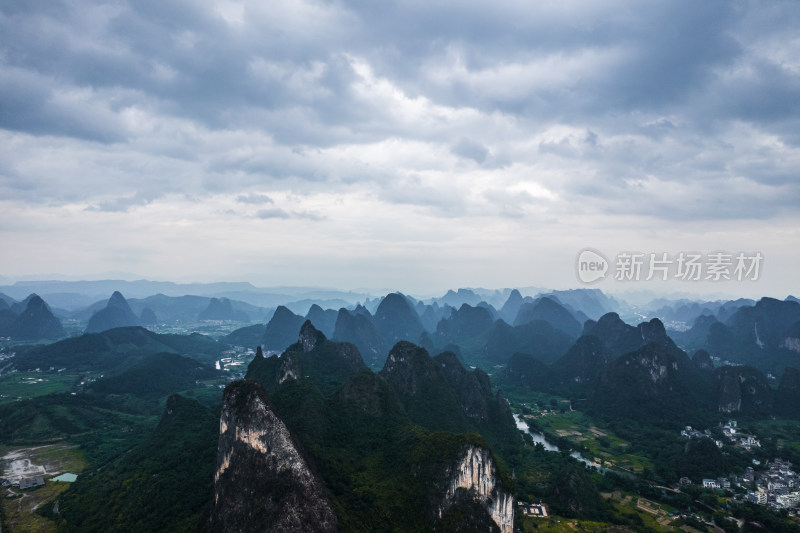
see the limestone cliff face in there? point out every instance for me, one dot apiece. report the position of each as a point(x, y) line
point(792, 343)
point(742, 388)
point(310, 337)
point(262, 481)
point(476, 473)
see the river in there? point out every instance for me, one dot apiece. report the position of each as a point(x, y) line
point(549, 446)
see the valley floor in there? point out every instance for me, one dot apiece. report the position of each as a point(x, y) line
point(48, 461)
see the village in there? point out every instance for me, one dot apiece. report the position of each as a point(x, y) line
point(778, 487)
point(730, 431)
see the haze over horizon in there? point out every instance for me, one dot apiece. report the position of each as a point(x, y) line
point(407, 145)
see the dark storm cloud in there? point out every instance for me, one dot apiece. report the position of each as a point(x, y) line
point(34, 104)
point(215, 97)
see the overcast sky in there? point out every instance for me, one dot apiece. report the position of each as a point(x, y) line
point(410, 145)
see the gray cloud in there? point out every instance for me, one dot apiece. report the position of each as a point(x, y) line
point(470, 149)
point(274, 212)
point(512, 112)
point(256, 199)
point(120, 205)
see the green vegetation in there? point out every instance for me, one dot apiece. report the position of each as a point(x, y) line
point(103, 408)
point(597, 443)
point(63, 416)
point(19, 508)
point(21, 511)
point(162, 484)
point(382, 443)
point(114, 350)
point(156, 375)
point(25, 385)
point(779, 437)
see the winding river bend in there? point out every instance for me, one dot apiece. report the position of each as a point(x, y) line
point(549, 446)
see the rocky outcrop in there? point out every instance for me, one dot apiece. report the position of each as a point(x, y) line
point(116, 314)
point(730, 394)
point(472, 389)
point(36, 322)
point(323, 319)
point(476, 473)
point(552, 312)
point(583, 362)
point(222, 309)
point(310, 337)
point(787, 397)
point(654, 381)
point(327, 364)
point(282, 329)
point(263, 482)
point(357, 328)
point(538, 338)
point(792, 343)
point(396, 320)
point(791, 339)
point(148, 317)
point(409, 368)
point(742, 389)
point(617, 337)
point(702, 360)
point(653, 331)
point(464, 324)
point(510, 309)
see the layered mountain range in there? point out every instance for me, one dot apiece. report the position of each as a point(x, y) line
point(409, 424)
point(29, 320)
point(387, 416)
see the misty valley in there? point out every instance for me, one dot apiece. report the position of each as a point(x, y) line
point(132, 406)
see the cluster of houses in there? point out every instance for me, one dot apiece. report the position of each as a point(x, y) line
point(729, 430)
point(30, 482)
point(33, 482)
point(778, 487)
point(536, 510)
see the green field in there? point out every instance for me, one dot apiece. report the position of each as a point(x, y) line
point(24, 385)
point(599, 442)
point(20, 506)
point(786, 432)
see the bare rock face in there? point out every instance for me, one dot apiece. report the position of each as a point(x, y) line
point(742, 388)
point(702, 360)
point(263, 482)
point(310, 337)
point(476, 475)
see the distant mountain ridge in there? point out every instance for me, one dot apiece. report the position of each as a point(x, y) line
point(35, 321)
point(75, 293)
point(113, 350)
point(222, 309)
point(116, 314)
